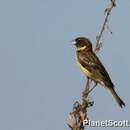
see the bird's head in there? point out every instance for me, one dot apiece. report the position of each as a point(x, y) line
point(82, 43)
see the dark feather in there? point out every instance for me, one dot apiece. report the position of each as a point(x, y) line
point(91, 62)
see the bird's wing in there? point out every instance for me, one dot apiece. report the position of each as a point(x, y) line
point(91, 62)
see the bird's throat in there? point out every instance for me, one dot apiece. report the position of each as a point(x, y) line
point(81, 48)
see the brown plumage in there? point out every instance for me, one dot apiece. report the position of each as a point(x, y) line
point(93, 68)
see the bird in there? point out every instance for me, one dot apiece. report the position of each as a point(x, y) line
point(92, 67)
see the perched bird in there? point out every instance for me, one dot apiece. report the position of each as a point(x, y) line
point(90, 64)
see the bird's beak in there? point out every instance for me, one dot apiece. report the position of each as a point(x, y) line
point(73, 42)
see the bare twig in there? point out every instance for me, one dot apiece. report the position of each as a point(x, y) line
point(107, 12)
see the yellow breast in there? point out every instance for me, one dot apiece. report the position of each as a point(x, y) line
point(84, 70)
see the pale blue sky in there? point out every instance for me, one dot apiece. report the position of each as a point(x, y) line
point(39, 79)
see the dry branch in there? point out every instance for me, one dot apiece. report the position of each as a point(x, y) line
point(107, 12)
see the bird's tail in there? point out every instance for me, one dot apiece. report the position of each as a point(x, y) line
point(116, 97)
